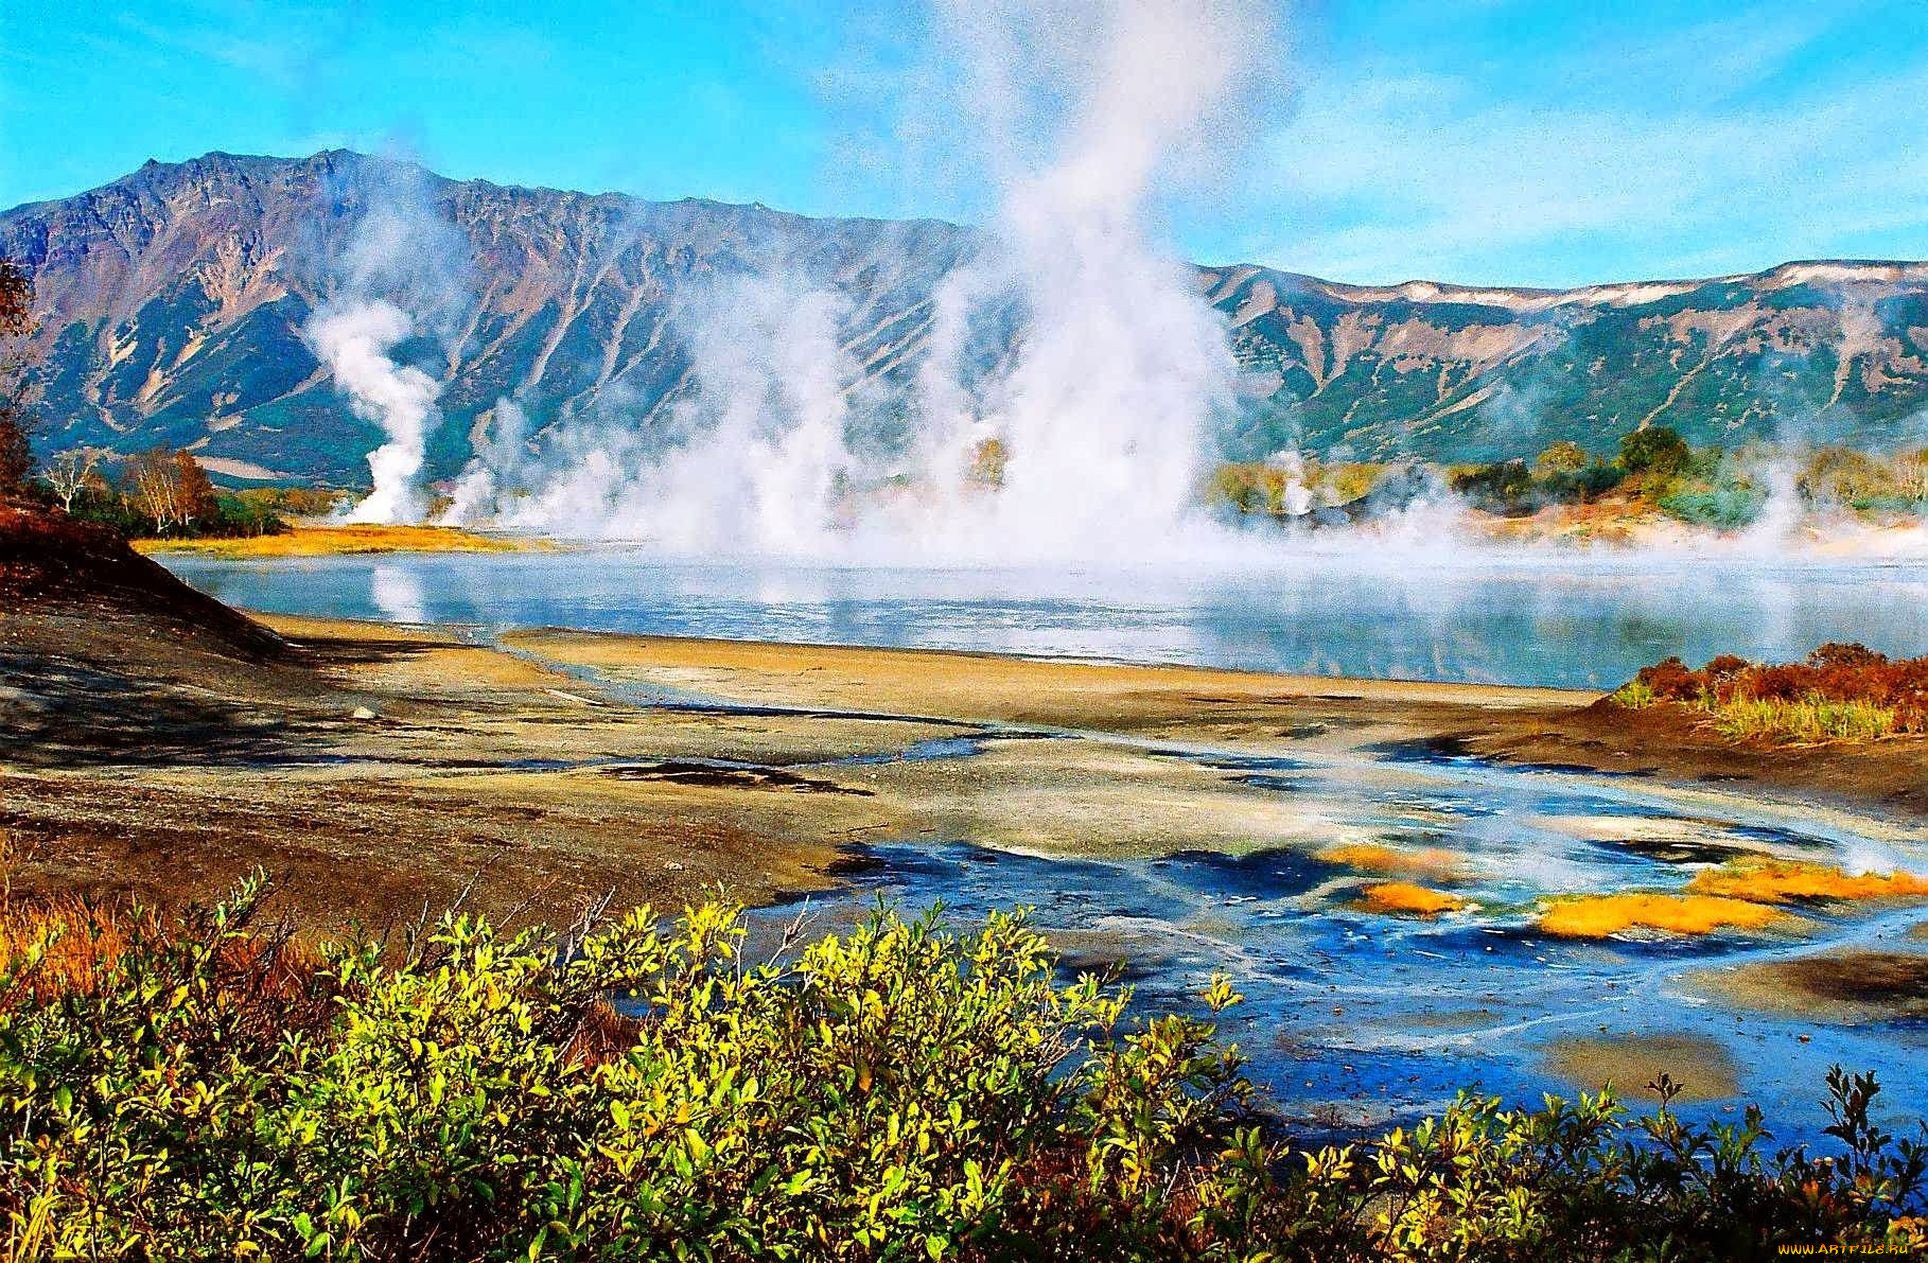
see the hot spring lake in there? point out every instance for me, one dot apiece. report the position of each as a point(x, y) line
point(1582, 623)
point(1353, 1019)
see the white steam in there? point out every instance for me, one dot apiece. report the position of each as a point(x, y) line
point(1104, 413)
point(759, 462)
point(399, 272)
point(354, 342)
point(491, 479)
point(1087, 441)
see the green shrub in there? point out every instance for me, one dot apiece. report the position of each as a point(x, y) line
point(1658, 450)
point(896, 1092)
point(1725, 507)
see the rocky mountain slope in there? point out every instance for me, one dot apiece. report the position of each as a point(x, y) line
point(171, 304)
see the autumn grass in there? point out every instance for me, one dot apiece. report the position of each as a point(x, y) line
point(1405, 899)
point(1813, 718)
point(69, 943)
point(1782, 881)
point(327, 541)
point(1841, 692)
point(1598, 916)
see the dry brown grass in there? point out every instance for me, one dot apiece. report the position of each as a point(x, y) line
point(274, 985)
point(78, 943)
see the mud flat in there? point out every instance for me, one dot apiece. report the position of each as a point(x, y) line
point(375, 769)
point(1260, 713)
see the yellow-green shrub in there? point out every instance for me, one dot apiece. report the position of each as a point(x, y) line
point(896, 1092)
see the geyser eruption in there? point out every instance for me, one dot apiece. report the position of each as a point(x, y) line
point(1103, 414)
point(354, 341)
point(1084, 441)
point(397, 272)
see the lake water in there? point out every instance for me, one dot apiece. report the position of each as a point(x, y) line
point(1353, 1019)
point(1587, 623)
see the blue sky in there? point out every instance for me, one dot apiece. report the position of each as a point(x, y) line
point(1497, 141)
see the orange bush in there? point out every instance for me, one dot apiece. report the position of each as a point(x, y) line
point(1846, 673)
point(81, 942)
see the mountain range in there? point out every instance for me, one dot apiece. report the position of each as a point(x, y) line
point(171, 304)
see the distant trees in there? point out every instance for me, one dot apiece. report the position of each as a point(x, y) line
point(988, 459)
point(1911, 474)
point(160, 492)
point(1565, 473)
point(1659, 451)
point(72, 472)
point(1563, 457)
point(1863, 480)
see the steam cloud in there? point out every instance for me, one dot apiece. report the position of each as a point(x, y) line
point(1087, 441)
point(354, 342)
point(398, 273)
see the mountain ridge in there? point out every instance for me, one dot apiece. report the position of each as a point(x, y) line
point(172, 302)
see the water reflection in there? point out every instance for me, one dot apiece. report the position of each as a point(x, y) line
point(1589, 624)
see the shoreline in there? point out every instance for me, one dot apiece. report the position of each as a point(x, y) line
point(420, 761)
point(1510, 724)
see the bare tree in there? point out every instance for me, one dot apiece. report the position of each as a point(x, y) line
point(1911, 473)
point(172, 489)
point(72, 472)
point(153, 476)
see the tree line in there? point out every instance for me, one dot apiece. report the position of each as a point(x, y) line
point(159, 492)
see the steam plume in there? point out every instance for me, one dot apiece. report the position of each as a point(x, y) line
point(399, 271)
point(1098, 420)
point(354, 342)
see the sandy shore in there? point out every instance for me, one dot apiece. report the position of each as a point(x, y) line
point(1262, 713)
point(373, 768)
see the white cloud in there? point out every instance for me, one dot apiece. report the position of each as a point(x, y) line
point(1390, 171)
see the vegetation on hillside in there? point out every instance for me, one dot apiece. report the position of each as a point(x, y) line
point(1652, 471)
point(1841, 692)
point(1726, 489)
point(1287, 488)
point(204, 1088)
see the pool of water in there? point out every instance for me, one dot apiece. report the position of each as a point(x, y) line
point(1355, 1020)
point(1579, 621)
